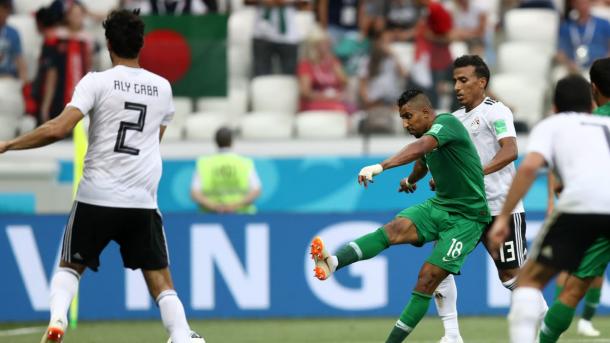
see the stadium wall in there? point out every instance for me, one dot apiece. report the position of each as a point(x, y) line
point(241, 267)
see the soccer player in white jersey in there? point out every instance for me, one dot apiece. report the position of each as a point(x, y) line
point(491, 128)
point(129, 109)
point(577, 147)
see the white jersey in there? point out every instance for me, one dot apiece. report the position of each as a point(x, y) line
point(487, 124)
point(126, 107)
point(577, 147)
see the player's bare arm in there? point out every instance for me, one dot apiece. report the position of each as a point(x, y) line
point(408, 154)
point(521, 184)
point(52, 131)
point(161, 132)
point(508, 153)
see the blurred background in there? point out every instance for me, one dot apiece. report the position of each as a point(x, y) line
point(308, 91)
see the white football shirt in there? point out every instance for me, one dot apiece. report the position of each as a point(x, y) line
point(487, 124)
point(126, 107)
point(577, 147)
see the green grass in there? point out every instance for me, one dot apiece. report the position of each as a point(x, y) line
point(368, 330)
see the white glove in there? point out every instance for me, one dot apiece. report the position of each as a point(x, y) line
point(370, 171)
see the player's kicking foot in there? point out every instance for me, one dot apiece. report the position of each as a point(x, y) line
point(320, 256)
point(586, 328)
point(446, 339)
point(55, 332)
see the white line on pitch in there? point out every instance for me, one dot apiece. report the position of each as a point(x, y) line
point(22, 331)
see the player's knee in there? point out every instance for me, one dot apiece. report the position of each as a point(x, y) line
point(401, 230)
point(506, 275)
point(79, 268)
point(428, 280)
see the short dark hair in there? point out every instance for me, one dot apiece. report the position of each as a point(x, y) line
point(480, 67)
point(408, 95)
point(125, 32)
point(224, 137)
point(573, 94)
point(600, 75)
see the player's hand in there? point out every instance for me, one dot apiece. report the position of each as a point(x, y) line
point(497, 234)
point(407, 187)
point(432, 185)
point(3, 147)
point(366, 174)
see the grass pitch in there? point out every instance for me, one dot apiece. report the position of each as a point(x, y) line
point(350, 330)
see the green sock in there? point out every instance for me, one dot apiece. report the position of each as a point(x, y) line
point(558, 290)
point(591, 302)
point(556, 321)
point(363, 248)
point(414, 311)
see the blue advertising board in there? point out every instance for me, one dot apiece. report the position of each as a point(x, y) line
point(311, 185)
point(239, 267)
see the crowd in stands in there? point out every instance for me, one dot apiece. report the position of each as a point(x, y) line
point(352, 57)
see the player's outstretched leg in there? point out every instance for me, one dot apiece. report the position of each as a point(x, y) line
point(430, 276)
point(363, 248)
point(398, 231)
point(64, 286)
point(160, 285)
point(445, 298)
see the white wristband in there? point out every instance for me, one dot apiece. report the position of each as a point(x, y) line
point(370, 171)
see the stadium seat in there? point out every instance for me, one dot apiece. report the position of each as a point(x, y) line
point(263, 125)
point(405, 53)
point(240, 62)
point(8, 127)
point(525, 58)
point(11, 98)
point(101, 6)
point(540, 26)
point(458, 49)
point(305, 21)
point(203, 125)
point(275, 93)
point(523, 94)
point(183, 106)
point(29, 6)
point(213, 103)
point(31, 41)
point(241, 26)
point(322, 124)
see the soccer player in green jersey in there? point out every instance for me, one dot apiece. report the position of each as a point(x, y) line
point(455, 217)
point(574, 285)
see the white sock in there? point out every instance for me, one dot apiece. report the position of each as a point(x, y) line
point(64, 286)
point(445, 298)
point(332, 262)
point(173, 317)
point(524, 316)
point(510, 284)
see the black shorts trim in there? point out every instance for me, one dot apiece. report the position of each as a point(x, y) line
point(514, 250)
point(565, 238)
point(138, 232)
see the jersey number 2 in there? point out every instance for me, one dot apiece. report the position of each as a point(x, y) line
point(125, 125)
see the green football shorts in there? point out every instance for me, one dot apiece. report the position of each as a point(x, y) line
point(595, 261)
point(456, 236)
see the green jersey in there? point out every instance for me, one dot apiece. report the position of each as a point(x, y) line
point(603, 110)
point(456, 168)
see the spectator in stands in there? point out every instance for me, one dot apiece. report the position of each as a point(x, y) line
point(340, 17)
point(381, 83)
point(66, 57)
point(275, 35)
point(225, 182)
point(583, 38)
point(171, 7)
point(436, 34)
point(321, 77)
point(401, 18)
point(470, 25)
point(12, 62)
